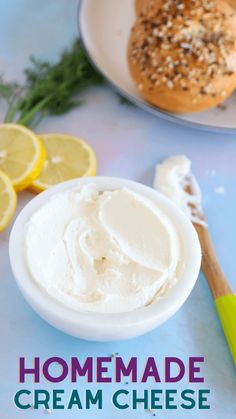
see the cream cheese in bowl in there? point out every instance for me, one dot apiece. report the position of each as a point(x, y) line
point(110, 251)
point(104, 258)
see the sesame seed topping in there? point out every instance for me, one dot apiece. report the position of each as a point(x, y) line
point(183, 43)
point(170, 84)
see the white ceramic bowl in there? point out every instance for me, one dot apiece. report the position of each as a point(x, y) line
point(96, 326)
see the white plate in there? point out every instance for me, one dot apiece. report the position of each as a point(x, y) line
point(104, 29)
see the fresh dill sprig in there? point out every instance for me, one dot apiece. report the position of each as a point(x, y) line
point(50, 89)
point(7, 90)
point(10, 93)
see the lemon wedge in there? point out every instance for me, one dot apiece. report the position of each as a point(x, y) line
point(67, 157)
point(22, 155)
point(7, 200)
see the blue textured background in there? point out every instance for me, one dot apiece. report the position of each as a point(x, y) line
point(128, 143)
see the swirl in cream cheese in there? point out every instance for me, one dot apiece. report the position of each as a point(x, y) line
point(110, 251)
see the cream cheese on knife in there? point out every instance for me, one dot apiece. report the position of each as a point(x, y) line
point(172, 178)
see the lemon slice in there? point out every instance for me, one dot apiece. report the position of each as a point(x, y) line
point(67, 157)
point(7, 201)
point(22, 155)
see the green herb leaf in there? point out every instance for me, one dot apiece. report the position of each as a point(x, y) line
point(8, 90)
point(50, 88)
